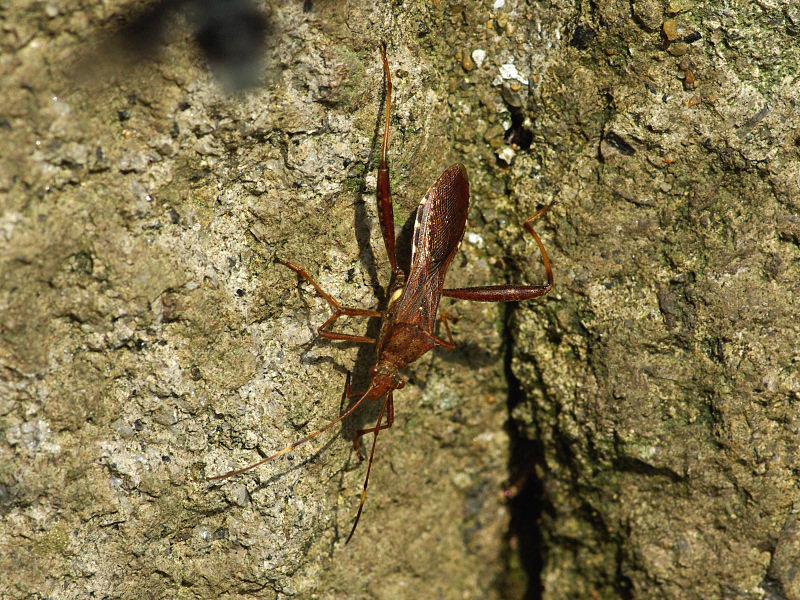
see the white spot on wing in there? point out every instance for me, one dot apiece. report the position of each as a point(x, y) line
point(417, 223)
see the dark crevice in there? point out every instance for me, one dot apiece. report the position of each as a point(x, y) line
point(518, 136)
point(632, 465)
point(525, 551)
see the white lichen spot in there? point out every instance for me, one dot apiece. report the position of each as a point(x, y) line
point(475, 239)
point(487, 439)
point(461, 480)
point(478, 56)
point(509, 71)
point(8, 222)
point(507, 154)
point(33, 435)
point(202, 533)
point(498, 4)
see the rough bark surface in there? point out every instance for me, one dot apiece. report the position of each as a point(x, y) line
point(644, 418)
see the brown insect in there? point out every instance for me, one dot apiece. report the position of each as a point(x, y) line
point(409, 319)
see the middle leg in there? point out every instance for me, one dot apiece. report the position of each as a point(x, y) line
point(448, 344)
point(338, 310)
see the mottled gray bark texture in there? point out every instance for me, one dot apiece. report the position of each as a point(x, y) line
point(643, 419)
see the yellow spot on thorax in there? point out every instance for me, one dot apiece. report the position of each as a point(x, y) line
point(395, 297)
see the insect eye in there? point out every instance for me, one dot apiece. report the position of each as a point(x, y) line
point(401, 384)
point(374, 370)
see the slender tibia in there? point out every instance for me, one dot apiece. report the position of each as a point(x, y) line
point(384, 194)
point(511, 293)
point(339, 310)
point(448, 344)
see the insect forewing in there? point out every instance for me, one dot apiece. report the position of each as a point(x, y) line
point(441, 217)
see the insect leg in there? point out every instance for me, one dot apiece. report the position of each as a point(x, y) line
point(449, 344)
point(375, 431)
point(338, 309)
point(511, 293)
point(385, 212)
point(335, 335)
point(389, 421)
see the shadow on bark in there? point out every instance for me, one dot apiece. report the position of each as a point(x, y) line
point(524, 551)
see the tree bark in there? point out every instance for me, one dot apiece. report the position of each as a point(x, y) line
point(634, 434)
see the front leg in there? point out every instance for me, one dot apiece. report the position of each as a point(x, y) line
point(384, 194)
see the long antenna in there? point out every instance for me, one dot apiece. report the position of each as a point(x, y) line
point(348, 412)
point(369, 467)
point(387, 74)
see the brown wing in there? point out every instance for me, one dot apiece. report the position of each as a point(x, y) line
point(441, 217)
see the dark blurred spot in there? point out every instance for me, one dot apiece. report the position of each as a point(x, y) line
point(616, 141)
point(692, 37)
point(582, 37)
point(231, 34)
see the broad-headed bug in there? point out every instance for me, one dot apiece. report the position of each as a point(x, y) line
point(409, 318)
